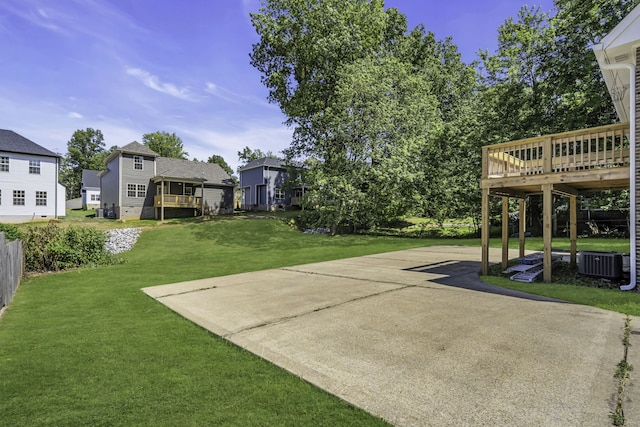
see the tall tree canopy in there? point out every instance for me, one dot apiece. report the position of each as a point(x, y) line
point(249, 154)
point(219, 160)
point(366, 100)
point(85, 150)
point(165, 144)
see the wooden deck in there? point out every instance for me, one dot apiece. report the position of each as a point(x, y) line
point(587, 160)
point(568, 164)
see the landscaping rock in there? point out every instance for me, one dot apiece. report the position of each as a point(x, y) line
point(121, 239)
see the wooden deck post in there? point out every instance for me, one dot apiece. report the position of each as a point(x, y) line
point(573, 228)
point(547, 216)
point(522, 225)
point(485, 229)
point(162, 200)
point(505, 232)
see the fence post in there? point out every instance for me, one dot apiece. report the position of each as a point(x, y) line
point(11, 268)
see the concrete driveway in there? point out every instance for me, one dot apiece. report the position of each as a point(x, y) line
point(415, 338)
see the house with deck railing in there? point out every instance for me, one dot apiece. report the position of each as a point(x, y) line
point(573, 163)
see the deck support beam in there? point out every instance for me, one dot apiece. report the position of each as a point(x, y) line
point(522, 224)
point(573, 229)
point(505, 232)
point(484, 230)
point(547, 228)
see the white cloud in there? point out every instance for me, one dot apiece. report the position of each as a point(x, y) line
point(154, 83)
point(221, 93)
point(74, 115)
point(202, 143)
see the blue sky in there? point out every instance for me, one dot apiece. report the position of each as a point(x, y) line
point(130, 67)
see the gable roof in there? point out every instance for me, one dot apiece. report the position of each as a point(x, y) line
point(168, 168)
point(132, 148)
point(265, 161)
point(14, 143)
point(90, 178)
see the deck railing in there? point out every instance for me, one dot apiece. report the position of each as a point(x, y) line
point(177, 201)
point(601, 147)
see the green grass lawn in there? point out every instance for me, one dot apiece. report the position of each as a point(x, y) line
point(87, 347)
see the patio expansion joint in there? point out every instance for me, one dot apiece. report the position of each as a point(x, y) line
point(342, 276)
point(315, 310)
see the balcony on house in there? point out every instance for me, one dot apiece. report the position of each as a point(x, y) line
point(588, 159)
point(565, 164)
point(177, 201)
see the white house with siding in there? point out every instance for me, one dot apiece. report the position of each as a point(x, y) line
point(29, 187)
point(90, 189)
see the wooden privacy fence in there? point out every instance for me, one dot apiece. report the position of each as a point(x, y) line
point(11, 268)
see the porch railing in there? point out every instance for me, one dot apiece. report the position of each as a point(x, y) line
point(600, 147)
point(177, 201)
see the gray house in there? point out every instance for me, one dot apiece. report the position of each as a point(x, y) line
point(90, 189)
point(269, 183)
point(138, 183)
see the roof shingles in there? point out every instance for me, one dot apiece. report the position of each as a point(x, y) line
point(13, 143)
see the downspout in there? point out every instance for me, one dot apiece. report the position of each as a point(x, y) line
point(632, 177)
point(55, 191)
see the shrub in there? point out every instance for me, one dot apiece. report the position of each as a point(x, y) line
point(53, 248)
point(11, 232)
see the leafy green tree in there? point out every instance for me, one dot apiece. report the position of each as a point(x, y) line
point(165, 144)
point(219, 160)
point(247, 154)
point(85, 150)
point(583, 99)
point(361, 97)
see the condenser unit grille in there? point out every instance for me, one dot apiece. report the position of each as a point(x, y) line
point(600, 264)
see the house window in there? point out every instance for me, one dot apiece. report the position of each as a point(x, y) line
point(18, 197)
point(131, 190)
point(34, 167)
point(188, 191)
point(136, 190)
point(279, 193)
point(299, 192)
point(0, 197)
point(41, 198)
point(4, 164)
point(138, 162)
point(95, 197)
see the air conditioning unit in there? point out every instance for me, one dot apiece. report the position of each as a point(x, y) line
point(600, 264)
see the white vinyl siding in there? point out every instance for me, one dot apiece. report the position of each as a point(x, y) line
point(19, 178)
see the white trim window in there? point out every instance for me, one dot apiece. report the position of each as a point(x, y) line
point(138, 163)
point(279, 193)
point(188, 191)
point(0, 197)
point(41, 198)
point(131, 190)
point(136, 190)
point(95, 197)
point(4, 163)
point(18, 197)
point(34, 167)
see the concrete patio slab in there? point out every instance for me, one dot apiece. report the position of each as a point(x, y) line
point(414, 337)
